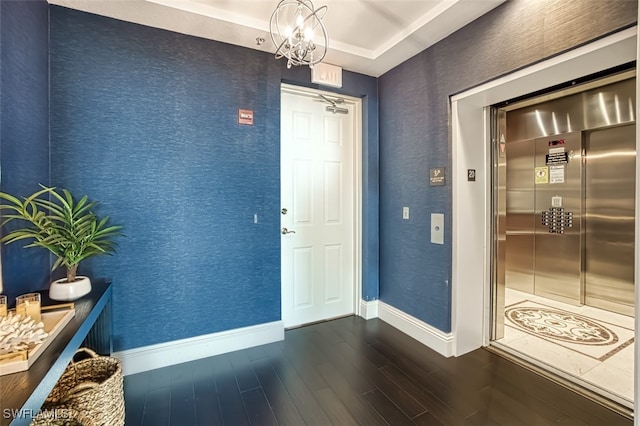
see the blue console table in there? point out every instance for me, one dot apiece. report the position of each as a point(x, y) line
point(22, 394)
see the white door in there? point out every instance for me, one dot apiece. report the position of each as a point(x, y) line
point(317, 196)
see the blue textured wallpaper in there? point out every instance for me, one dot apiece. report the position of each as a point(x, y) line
point(145, 121)
point(24, 129)
point(415, 131)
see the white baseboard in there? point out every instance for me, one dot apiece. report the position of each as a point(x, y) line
point(164, 354)
point(369, 310)
point(170, 353)
point(424, 333)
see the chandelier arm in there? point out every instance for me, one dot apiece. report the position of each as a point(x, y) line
point(276, 20)
point(314, 14)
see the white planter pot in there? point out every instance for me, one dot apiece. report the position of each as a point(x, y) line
point(63, 291)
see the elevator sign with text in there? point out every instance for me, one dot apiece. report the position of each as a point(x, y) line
point(557, 158)
point(436, 176)
point(245, 116)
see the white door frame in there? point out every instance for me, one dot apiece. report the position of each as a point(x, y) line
point(357, 183)
point(471, 234)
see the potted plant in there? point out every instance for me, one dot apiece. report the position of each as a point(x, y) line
point(67, 228)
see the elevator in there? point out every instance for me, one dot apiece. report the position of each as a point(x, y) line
point(564, 196)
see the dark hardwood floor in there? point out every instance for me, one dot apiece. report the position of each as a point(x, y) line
point(351, 371)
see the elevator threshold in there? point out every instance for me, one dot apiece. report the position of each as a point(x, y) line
point(601, 396)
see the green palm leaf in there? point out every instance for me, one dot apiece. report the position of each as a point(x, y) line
point(68, 229)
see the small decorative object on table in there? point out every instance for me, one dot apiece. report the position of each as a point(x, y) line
point(3, 305)
point(67, 228)
point(23, 340)
point(18, 334)
point(28, 305)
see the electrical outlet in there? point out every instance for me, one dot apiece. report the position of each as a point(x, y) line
point(405, 213)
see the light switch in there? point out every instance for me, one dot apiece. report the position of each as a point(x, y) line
point(437, 228)
point(405, 213)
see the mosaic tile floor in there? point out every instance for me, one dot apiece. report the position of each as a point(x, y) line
point(593, 346)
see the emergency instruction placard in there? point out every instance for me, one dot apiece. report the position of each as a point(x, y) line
point(542, 175)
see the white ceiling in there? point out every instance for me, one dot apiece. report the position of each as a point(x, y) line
point(365, 36)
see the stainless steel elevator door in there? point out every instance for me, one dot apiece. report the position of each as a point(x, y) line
point(520, 216)
point(610, 218)
point(558, 203)
point(543, 204)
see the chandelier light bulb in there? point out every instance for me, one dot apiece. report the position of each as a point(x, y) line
point(308, 34)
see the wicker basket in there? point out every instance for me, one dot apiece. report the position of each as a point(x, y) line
point(61, 417)
point(93, 387)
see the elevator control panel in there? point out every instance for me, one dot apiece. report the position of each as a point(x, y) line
point(557, 219)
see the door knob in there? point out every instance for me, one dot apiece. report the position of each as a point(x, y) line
point(286, 231)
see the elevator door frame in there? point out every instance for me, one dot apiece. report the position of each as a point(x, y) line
point(472, 238)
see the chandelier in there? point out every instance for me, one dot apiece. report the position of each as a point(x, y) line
point(293, 27)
